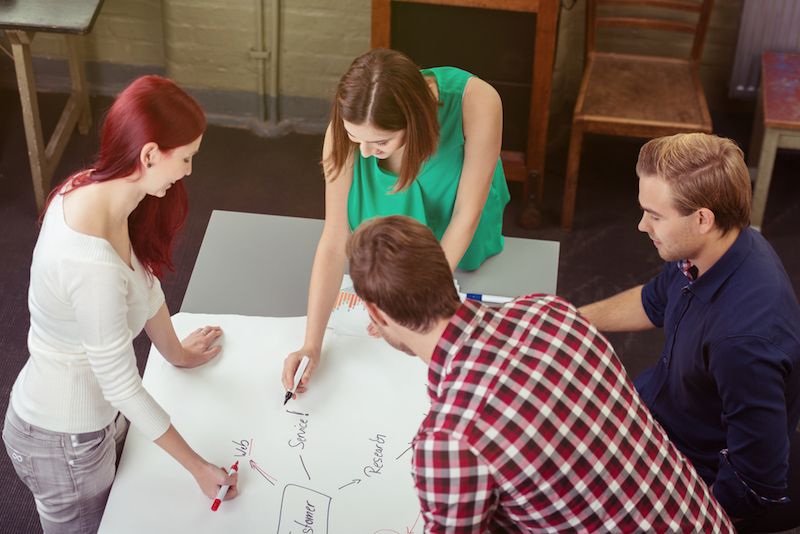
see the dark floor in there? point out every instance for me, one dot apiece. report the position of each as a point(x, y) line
point(236, 170)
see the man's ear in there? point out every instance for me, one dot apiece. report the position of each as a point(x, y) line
point(706, 220)
point(375, 313)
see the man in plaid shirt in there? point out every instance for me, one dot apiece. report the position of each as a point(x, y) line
point(534, 425)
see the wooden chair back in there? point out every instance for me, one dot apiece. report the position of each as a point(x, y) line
point(689, 17)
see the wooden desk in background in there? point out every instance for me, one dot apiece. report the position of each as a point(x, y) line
point(21, 21)
point(526, 163)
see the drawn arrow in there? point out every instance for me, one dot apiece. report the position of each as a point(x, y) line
point(304, 467)
point(402, 453)
point(411, 530)
point(355, 481)
point(269, 478)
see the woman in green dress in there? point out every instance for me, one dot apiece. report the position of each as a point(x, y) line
point(405, 141)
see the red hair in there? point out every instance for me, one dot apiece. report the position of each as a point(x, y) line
point(150, 109)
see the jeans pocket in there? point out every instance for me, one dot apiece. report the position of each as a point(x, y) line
point(86, 454)
point(17, 449)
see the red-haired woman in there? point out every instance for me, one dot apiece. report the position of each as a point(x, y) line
point(105, 239)
point(401, 141)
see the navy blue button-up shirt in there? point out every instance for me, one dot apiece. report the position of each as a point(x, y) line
point(727, 385)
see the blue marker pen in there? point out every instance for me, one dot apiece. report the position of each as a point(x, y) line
point(493, 299)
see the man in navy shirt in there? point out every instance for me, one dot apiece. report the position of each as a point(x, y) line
point(727, 384)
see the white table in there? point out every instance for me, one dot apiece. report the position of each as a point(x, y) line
point(259, 265)
point(253, 264)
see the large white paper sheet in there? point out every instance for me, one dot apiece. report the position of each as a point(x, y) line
point(336, 460)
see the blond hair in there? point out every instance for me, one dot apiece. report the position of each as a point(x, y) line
point(703, 171)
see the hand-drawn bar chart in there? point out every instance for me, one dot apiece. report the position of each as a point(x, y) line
point(348, 300)
point(349, 315)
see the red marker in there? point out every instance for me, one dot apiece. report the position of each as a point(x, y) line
point(224, 489)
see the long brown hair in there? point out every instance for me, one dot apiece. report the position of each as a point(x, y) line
point(386, 89)
point(397, 264)
point(703, 171)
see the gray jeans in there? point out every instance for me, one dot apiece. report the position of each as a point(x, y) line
point(70, 475)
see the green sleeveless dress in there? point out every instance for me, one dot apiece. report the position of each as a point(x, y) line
point(431, 197)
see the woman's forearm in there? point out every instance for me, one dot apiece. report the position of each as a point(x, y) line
point(161, 332)
point(174, 444)
point(458, 236)
point(326, 278)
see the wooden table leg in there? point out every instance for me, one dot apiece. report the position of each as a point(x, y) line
point(45, 157)
point(77, 74)
point(757, 134)
point(26, 81)
point(766, 162)
point(571, 176)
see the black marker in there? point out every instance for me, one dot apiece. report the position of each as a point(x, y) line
point(297, 376)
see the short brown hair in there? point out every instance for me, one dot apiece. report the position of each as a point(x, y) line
point(703, 171)
point(385, 88)
point(397, 264)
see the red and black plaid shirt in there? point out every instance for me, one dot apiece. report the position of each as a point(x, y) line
point(534, 426)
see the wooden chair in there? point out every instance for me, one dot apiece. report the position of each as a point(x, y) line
point(635, 95)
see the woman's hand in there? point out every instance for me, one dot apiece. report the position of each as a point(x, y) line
point(291, 363)
point(210, 478)
point(200, 346)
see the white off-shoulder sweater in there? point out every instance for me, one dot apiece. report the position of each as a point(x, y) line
point(86, 307)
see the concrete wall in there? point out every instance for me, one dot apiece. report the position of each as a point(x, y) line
point(214, 48)
point(127, 32)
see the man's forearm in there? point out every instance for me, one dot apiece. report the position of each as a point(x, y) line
point(621, 313)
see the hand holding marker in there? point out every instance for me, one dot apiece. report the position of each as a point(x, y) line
point(224, 489)
point(297, 376)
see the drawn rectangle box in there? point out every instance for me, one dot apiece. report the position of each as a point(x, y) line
point(303, 510)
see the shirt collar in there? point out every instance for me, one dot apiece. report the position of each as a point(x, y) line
point(454, 336)
point(689, 271)
point(707, 285)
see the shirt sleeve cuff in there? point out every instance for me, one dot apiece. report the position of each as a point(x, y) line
point(737, 497)
point(145, 414)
